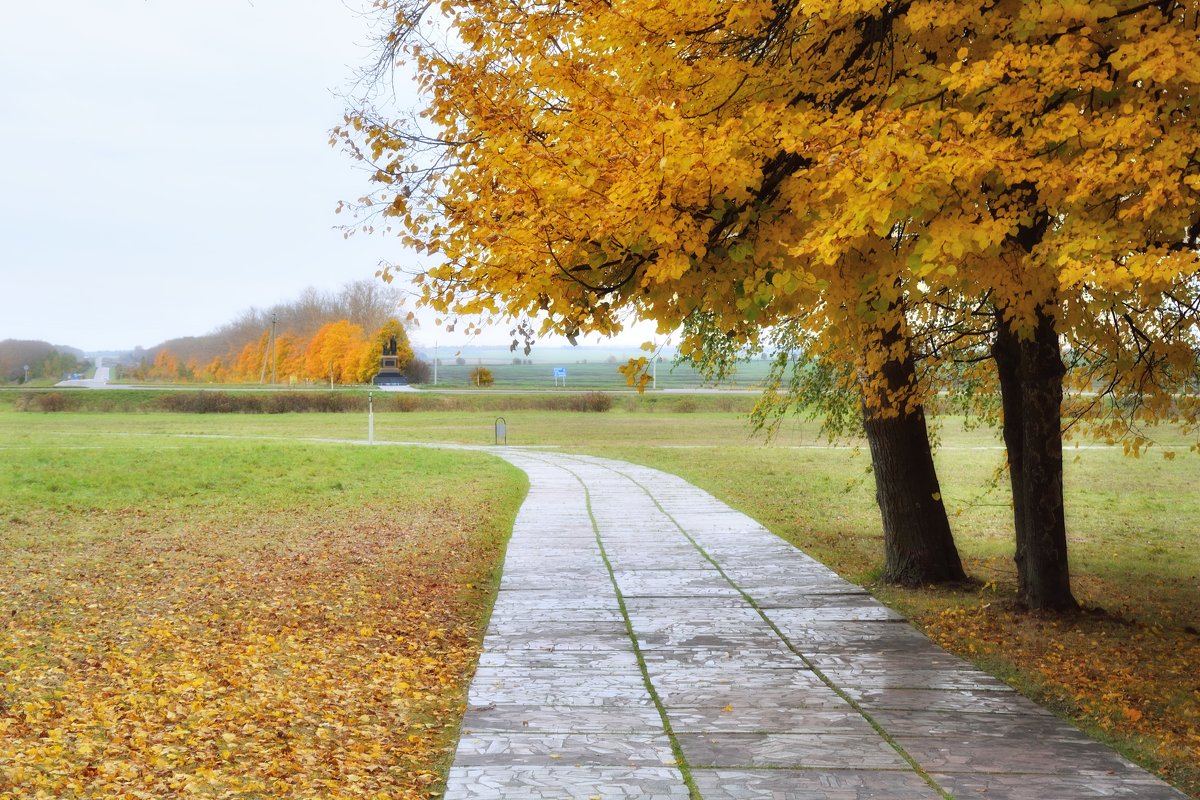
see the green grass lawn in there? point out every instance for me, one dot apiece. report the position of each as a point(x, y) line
point(1124, 670)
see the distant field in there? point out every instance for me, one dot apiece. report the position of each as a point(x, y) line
point(598, 371)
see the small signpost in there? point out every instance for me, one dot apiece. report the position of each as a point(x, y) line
point(501, 431)
point(560, 373)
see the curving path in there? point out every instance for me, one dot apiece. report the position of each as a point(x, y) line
point(650, 642)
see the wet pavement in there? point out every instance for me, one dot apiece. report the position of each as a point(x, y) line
point(650, 642)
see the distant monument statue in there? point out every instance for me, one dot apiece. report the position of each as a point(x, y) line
point(389, 366)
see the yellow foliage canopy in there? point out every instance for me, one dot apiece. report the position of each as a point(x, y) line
point(858, 166)
point(339, 351)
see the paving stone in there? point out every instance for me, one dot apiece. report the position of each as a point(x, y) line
point(686, 637)
point(673, 583)
point(765, 547)
point(883, 677)
point(846, 599)
point(552, 749)
point(611, 660)
point(598, 622)
point(791, 618)
point(996, 702)
point(515, 610)
point(1035, 726)
point(741, 653)
point(869, 636)
point(631, 719)
point(832, 719)
point(518, 782)
point(557, 687)
point(982, 753)
point(742, 696)
point(1134, 784)
point(793, 596)
point(630, 560)
point(782, 784)
point(925, 658)
point(583, 584)
point(736, 617)
point(681, 633)
point(710, 604)
point(790, 750)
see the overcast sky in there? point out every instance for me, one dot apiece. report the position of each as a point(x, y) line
point(164, 165)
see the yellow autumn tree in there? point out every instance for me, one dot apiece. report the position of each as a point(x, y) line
point(165, 366)
point(290, 349)
point(335, 353)
point(371, 356)
point(1008, 179)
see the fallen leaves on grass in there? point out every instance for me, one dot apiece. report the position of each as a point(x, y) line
point(331, 667)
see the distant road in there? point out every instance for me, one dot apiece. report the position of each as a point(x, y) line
point(99, 381)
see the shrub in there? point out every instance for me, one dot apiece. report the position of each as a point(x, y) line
point(402, 402)
point(482, 376)
point(209, 403)
point(47, 401)
point(322, 402)
point(254, 403)
point(592, 401)
point(418, 371)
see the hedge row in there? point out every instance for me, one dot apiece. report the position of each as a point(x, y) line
point(210, 402)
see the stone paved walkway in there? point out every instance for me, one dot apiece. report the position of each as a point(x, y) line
point(650, 642)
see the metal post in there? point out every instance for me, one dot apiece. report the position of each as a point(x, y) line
point(370, 418)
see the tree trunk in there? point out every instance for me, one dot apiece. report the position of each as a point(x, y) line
point(918, 546)
point(1006, 351)
point(1031, 383)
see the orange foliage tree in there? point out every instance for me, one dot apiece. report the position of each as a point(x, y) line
point(165, 367)
point(336, 353)
point(340, 347)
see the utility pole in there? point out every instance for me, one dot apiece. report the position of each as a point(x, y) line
point(435, 360)
point(269, 353)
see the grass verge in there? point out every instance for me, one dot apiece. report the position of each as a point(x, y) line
point(229, 619)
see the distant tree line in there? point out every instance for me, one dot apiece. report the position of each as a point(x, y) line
point(43, 359)
point(319, 337)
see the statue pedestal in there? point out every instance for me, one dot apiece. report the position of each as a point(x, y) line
point(389, 372)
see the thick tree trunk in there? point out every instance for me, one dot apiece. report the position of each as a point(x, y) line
point(918, 546)
point(1006, 351)
point(1031, 383)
